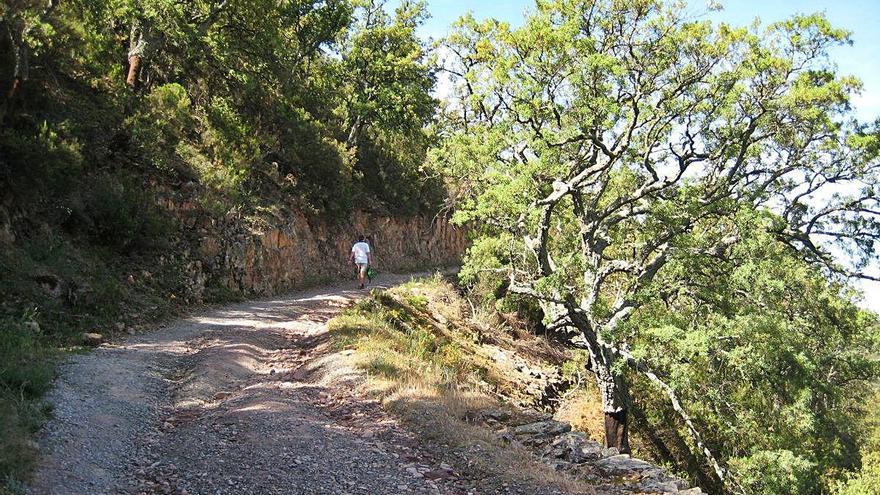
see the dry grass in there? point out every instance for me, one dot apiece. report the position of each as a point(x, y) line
point(442, 419)
point(427, 365)
point(583, 410)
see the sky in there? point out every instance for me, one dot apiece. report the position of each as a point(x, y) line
point(861, 17)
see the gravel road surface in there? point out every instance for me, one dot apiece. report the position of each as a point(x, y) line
point(219, 403)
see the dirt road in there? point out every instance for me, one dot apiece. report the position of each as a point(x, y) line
point(218, 403)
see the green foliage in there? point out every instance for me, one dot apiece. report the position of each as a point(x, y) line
point(231, 146)
point(391, 167)
point(119, 213)
point(228, 90)
point(162, 125)
point(37, 162)
point(26, 372)
point(775, 473)
point(769, 356)
point(866, 481)
point(386, 104)
point(385, 69)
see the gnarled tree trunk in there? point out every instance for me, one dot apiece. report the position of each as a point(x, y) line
point(134, 65)
point(136, 49)
point(615, 402)
point(617, 430)
point(612, 385)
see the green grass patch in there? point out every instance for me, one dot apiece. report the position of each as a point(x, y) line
point(397, 339)
point(26, 373)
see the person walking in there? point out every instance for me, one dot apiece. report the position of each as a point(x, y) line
point(361, 256)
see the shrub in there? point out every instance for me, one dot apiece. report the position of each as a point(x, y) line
point(26, 372)
point(774, 472)
point(37, 163)
point(232, 145)
point(161, 125)
point(864, 482)
point(121, 215)
point(24, 369)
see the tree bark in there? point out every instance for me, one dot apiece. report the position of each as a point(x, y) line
point(617, 430)
point(21, 54)
point(13, 89)
point(134, 65)
point(354, 133)
point(615, 400)
point(137, 48)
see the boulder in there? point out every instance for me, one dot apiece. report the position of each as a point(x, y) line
point(496, 415)
point(92, 339)
point(573, 447)
point(545, 429)
point(540, 432)
point(623, 465)
point(610, 451)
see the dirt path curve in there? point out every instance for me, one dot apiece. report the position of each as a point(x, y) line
point(217, 404)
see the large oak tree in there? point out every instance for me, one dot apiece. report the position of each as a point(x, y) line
point(605, 142)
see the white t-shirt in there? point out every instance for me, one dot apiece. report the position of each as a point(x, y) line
point(361, 250)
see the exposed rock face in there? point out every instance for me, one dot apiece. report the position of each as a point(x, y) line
point(297, 251)
point(574, 447)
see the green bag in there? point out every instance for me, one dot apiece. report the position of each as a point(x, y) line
point(371, 273)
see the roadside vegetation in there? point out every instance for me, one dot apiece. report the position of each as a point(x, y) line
point(674, 196)
point(442, 361)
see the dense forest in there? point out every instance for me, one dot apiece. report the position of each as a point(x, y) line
point(685, 203)
point(333, 97)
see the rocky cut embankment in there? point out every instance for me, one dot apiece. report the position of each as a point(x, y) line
point(290, 251)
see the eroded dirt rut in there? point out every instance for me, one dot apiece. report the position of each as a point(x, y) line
point(220, 403)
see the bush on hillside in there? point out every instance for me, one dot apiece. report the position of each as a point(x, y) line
point(864, 482)
point(162, 124)
point(778, 472)
point(119, 213)
point(26, 372)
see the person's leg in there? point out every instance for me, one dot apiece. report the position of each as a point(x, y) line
point(362, 272)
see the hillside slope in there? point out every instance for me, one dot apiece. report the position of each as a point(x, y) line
point(487, 395)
